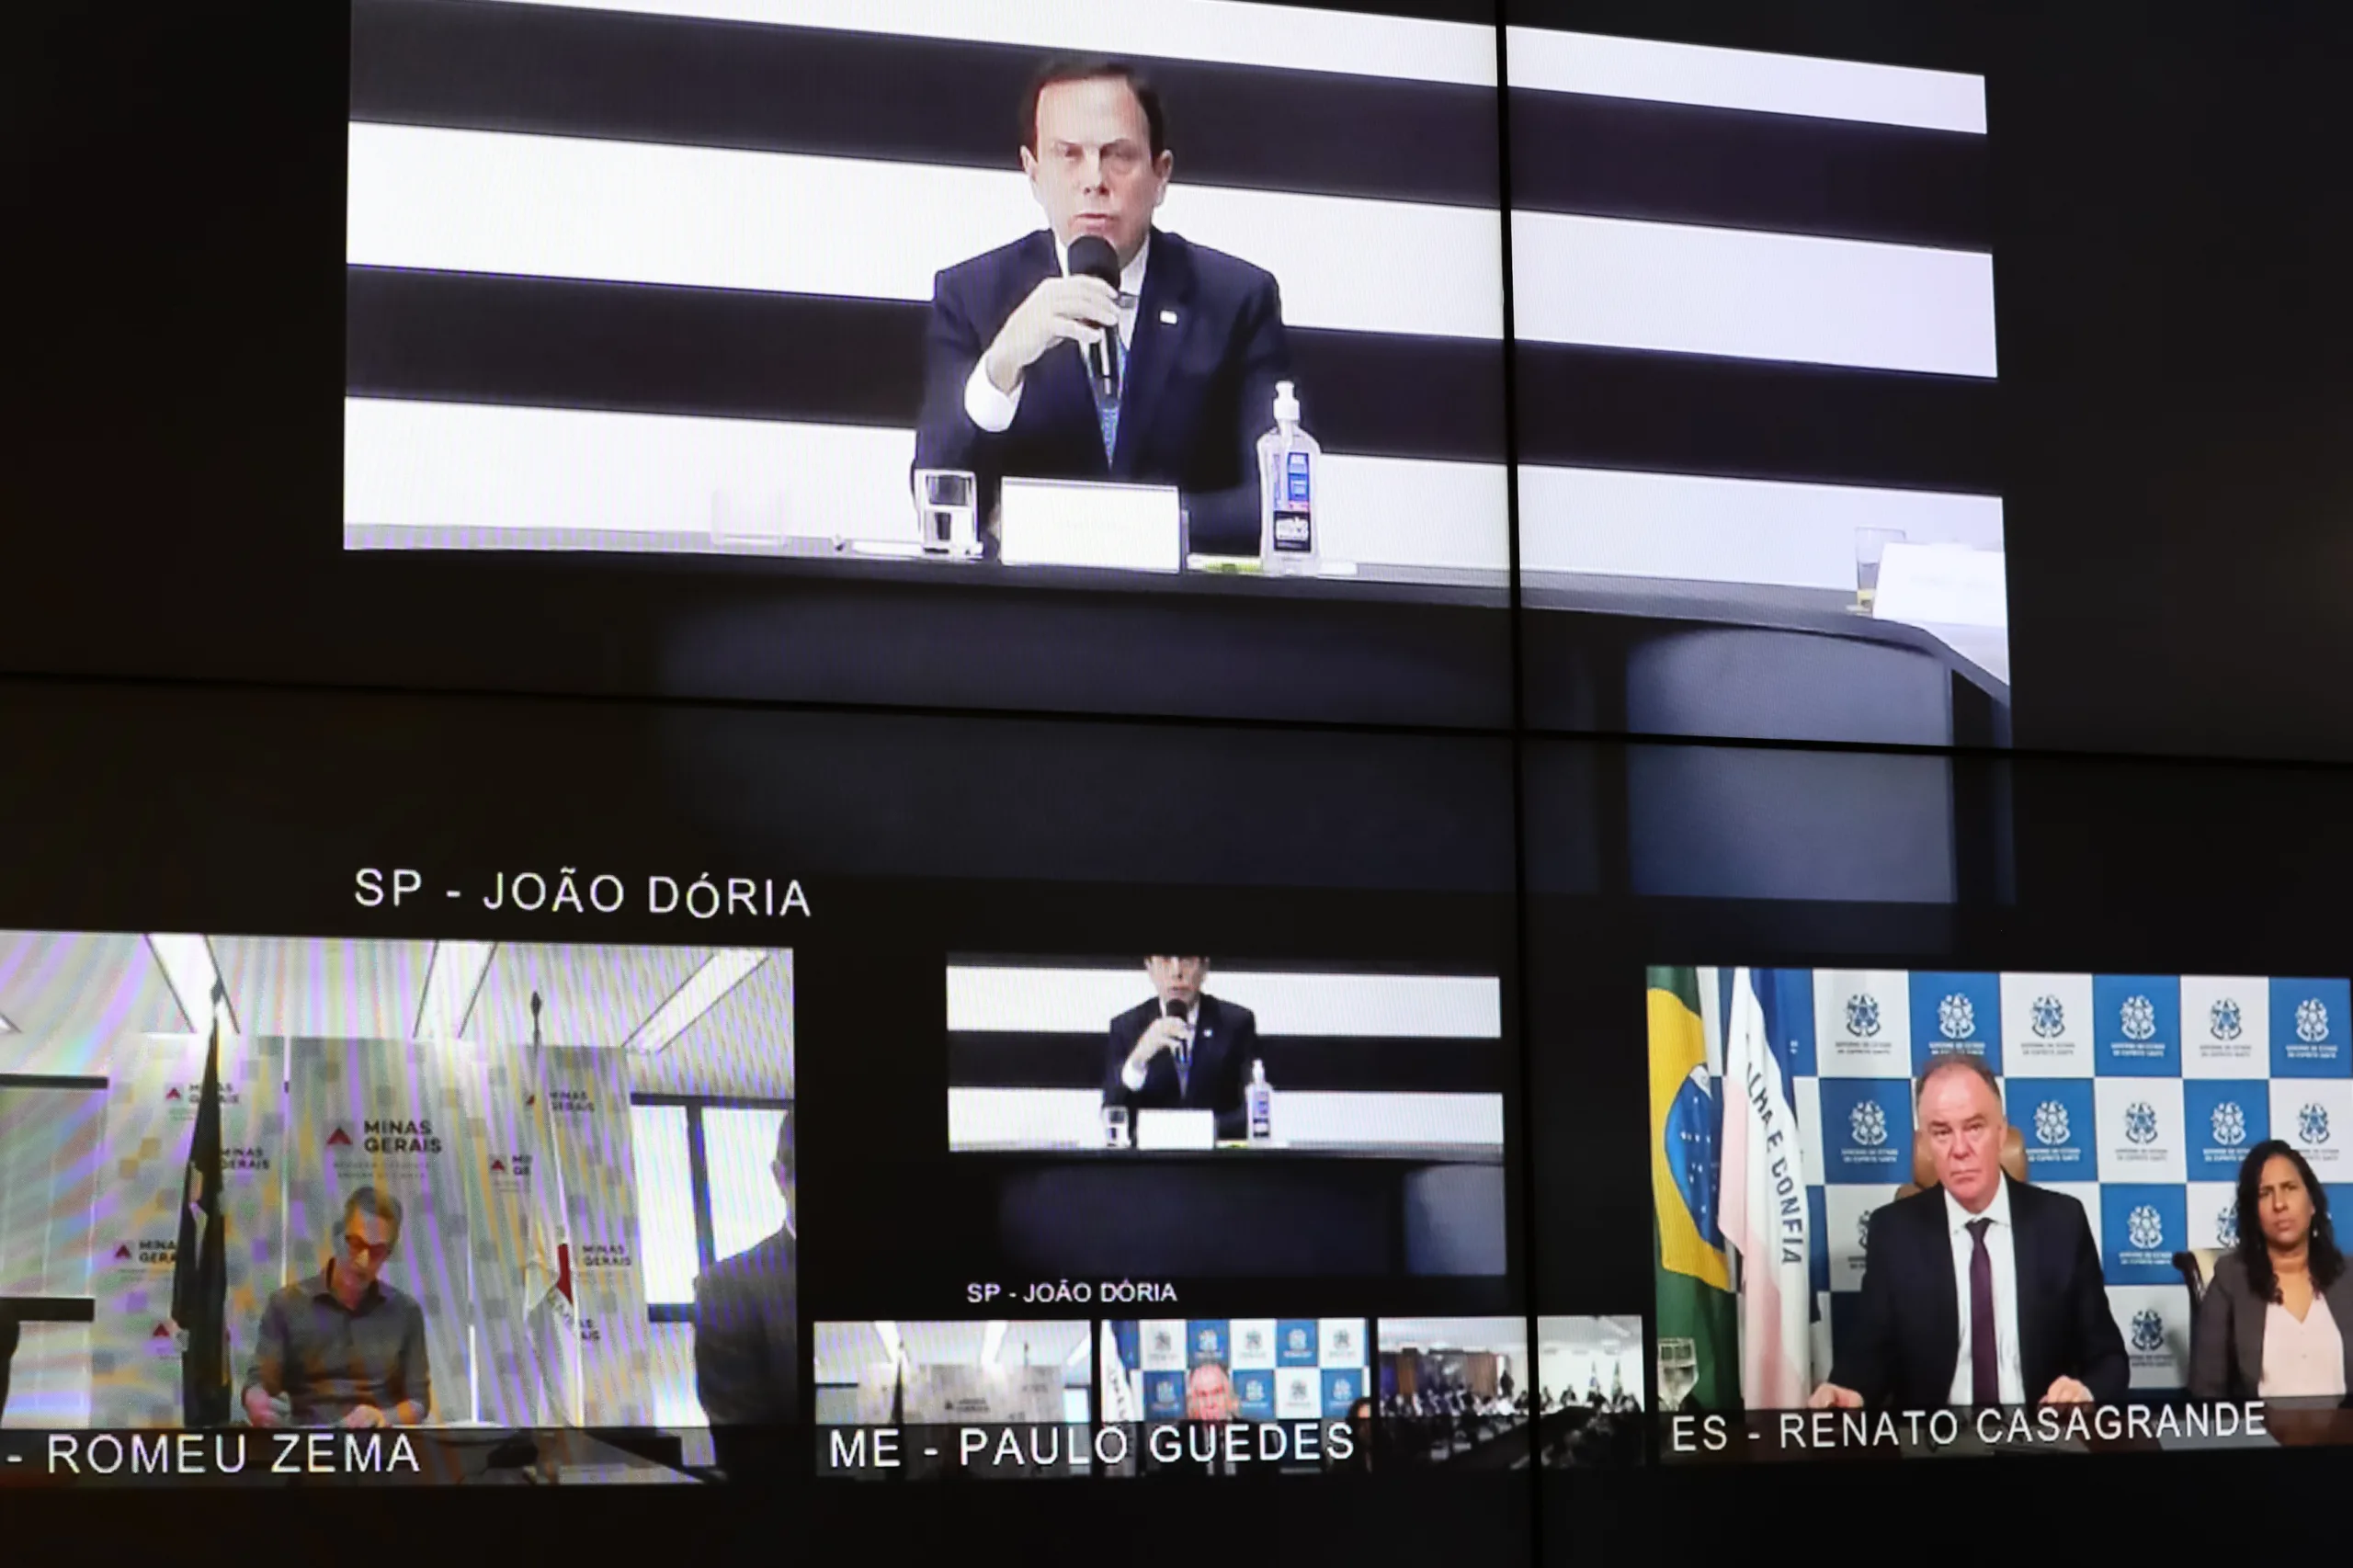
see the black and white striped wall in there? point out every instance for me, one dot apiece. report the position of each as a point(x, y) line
point(1753, 296)
point(1356, 1059)
point(618, 270)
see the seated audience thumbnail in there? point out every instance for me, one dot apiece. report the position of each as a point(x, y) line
point(1588, 1396)
point(1455, 1393)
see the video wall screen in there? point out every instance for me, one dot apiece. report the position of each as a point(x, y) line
point(1753, 315)
point(695, 278)
point(433, 1210)
point(661, 318)
point(684, 277)
point(1917, 1211)
point(1272, 1121)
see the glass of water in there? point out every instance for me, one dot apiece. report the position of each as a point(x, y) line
point(1679, 1371)
point(1115, 1126)
point(946, 501)
point(1871, 545)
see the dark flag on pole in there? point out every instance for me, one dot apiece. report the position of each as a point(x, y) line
point(201, 1265)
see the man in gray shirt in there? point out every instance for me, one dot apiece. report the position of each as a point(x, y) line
point(342, 1348)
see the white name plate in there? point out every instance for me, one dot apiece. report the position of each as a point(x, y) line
point(1054, 522)
point(1942, 584)
point(1175, 1130)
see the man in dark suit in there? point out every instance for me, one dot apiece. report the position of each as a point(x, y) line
point(1182, 1049)
point(1978, 1290)
point(1196, 335)
point(747, 1350)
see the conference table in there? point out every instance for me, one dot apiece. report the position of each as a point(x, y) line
point(837, 619)
point(1360, 1210)
point(1649, 656)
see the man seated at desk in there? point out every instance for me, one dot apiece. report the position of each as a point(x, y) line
point(1195, 336)
point(343, 1348)
point(1182, 1049)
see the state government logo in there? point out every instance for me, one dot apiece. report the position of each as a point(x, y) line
point(2141, 1122)
point(2148, 1331)
point(1254, 1390)
point(1344, 1343)
point(1867, 1124)
point(1296, 1339)
point(2229, 1124)
point(1862, 1015)
point(2226, 1226)
point(2050, 1018)
point(2312, 1020)
point(1956, 1018)
point(2051, 1129)
point(1342, 1388)
point(1206, 1341)
point(2312, 1124)
point(1863, 1229)
point(2144, 1228)
point(2224, 1020)
point(2137, 1017)
point(1162, 1342)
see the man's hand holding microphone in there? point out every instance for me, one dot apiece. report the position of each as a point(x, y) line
point(1166, 1032)
point(1075, 310)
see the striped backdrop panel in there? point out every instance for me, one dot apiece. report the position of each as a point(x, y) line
point(1754, 295)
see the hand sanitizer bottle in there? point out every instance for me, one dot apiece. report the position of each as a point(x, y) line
point(1290, 467)
point(1259, 1097)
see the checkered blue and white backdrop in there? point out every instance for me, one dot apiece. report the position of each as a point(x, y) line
point(2139, 1096)
point(1283, 1369)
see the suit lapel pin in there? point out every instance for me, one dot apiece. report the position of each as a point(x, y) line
point(1169, 318)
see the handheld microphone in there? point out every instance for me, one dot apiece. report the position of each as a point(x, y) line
point(1172, 1009)
point(1091, 256)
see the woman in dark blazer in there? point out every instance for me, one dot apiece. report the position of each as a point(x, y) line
point(2276, 1319)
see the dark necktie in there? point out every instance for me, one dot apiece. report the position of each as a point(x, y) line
point(1184, 1067)
point(1985, 1362)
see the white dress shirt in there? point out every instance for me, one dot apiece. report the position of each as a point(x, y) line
point(1132, 1073)
point(2001, 1249)
point(993, 410)
point(2301, 1360)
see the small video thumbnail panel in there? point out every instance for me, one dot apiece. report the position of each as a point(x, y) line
point(1270, 1122)
point(1588, 1406)
point(1928, 1211)
point(1088, 313)
point(1234, 1396)
point(1756, 389)
point(1456, 1393)
point(997, 1400)
point(416, 1210)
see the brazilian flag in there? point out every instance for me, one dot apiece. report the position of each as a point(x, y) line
point(1695, 1297)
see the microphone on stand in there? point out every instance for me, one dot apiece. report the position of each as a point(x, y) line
point(1091, 256)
